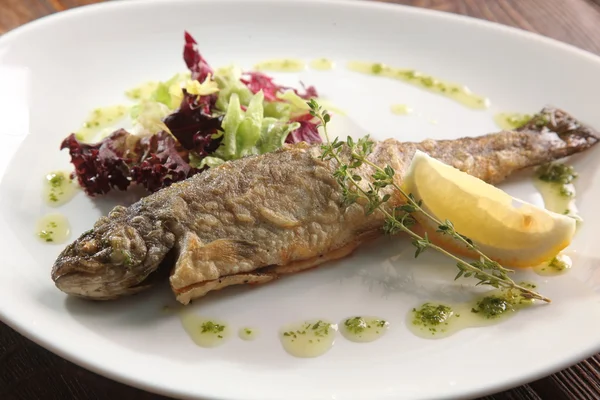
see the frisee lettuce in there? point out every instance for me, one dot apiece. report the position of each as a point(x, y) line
point(248, 132)
point(228, 79)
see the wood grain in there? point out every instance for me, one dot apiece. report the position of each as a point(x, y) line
point(27, 371)
point(576, 22)
point(14, 13)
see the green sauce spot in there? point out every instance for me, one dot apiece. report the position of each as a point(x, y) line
point(376, 68)
point(212, 327)
point(52, 228)
point(246, 333)
point(322, 64)
point(56, 179)
point(363, 329)
point(58, 184)
point(100, 118)
point(565, 192)
point(492, 307)
point(556, 173)
point(456, 92)
point(319, 329)
point(511, 121)
point(281, 65)
point(46, 235)
point(431, 315)
point(557, 264)
point(497, 305)
point(401, 109)
point(355, 325)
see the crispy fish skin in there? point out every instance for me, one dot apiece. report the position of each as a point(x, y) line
point(254, 219)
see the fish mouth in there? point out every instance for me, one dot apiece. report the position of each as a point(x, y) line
point(94, 279)
point(107, 282)
point(93, 287)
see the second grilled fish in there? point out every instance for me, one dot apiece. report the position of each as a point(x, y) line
point(254, 219)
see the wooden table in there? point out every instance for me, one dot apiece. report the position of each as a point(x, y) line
point(28, 371)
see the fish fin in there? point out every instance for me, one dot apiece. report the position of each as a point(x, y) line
point(193, 292)
point(199, 262)
point(264, 275)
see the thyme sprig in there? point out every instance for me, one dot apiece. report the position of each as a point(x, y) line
point(402, 218)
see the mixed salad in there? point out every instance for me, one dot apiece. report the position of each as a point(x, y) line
point(192, 122)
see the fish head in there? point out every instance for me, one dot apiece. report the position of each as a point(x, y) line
point(113, 259)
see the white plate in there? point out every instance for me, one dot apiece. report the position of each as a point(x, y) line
point(52, 72)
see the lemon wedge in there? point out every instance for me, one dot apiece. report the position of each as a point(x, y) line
point(508, 230)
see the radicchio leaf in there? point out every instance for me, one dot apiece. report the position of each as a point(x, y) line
point(120, 159)
point(307, 132)
point(193, 125)
point(158, 161)
point(164, 163)
point(309, 92)
point(102, 166)
point(257, 81)
point(194, 61)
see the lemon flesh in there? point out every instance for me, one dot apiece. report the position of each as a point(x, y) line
point(506, 229)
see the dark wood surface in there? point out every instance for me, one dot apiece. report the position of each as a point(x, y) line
point(28, 371)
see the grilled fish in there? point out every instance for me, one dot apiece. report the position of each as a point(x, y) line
point(257, 218)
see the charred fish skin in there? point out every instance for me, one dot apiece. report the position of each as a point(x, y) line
point(255, 219)
point(115, 257)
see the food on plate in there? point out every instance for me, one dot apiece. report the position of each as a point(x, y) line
point(434, 320)
point(511, 120)
point(555, 182)
point(405, 217)
point(188, 124)
point(307, 339)
point(506, 229)
point(254, 219)
point(454, 91)
point(363, 329)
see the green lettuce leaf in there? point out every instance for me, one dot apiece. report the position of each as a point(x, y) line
point(228, 79)
point(249, 132)
point(297, 105)
point(169, 92)
point(273, 134)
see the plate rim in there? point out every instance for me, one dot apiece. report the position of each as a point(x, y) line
point(25, 329)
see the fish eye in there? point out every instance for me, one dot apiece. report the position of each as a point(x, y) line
point(89, 246)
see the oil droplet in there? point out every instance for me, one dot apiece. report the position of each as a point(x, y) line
point(454, 91)
point(559, 198)
point(59, 188)
point(559, 265)
point(306, 339)
point(436, 320)
point(511, 121)
point(53, 228)
point(363, 329)
point(281, 65)
point(204, 332)
point(143, 91)
point(322, 64)
point(247, 333)
point(99, 119)
point(401, 109)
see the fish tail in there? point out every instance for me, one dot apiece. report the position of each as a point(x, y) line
point(575, 135)
point(550, 135)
